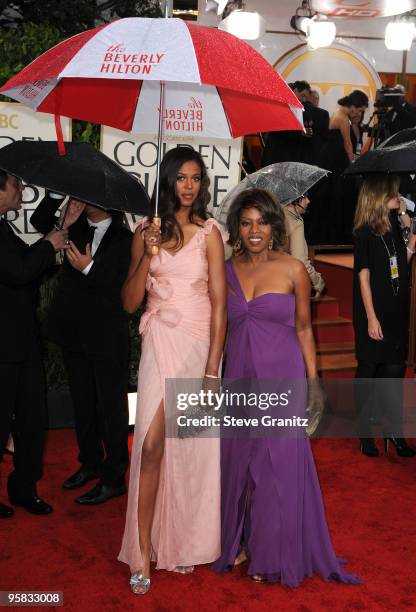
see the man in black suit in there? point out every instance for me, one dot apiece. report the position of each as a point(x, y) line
point(22, 382)
point(87, 320)
point(318, 120)
point(295, 145)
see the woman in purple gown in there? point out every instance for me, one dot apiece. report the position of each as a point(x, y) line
point(272, 510)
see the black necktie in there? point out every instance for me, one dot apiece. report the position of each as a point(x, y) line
point(90, 235)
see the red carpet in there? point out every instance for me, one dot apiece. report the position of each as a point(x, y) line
point(370, 506)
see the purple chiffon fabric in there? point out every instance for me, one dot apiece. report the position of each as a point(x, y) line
point(271, 500)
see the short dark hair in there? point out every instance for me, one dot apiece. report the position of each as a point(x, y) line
point(300, 85)
point(268, 206)
point(356, 98)
point(3, 179)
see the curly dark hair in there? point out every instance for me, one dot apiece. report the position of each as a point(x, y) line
point(168, 200)
point(268, 206)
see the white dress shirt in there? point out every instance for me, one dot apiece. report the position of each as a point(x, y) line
point(100, 229)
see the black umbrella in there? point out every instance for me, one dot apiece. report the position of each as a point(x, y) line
point(406, 135)
point(83, 173)
point(399, 159)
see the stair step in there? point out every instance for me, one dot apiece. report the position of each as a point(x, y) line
point(331, 321)
point(333, 329)
point(347, 373)
point(326, 307)
point(330, 348)
point(336, 362)
point(325, 298)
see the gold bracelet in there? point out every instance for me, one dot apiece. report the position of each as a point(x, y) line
point(210, 376)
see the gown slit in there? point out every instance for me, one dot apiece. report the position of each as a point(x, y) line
point(175, 330)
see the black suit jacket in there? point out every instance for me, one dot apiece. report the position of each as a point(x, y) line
point(293, 145)
point(320, 125)
point(282, 146)
point(21, 267)
point(86, 314)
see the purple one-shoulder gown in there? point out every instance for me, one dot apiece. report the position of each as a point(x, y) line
point(271, 502)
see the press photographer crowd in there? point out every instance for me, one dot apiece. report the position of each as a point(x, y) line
point(210, 314)
point(334, 143)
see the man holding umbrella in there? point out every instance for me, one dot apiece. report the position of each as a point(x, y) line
point(87, 320)
point(22, 384)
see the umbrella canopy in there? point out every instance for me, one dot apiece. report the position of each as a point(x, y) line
point(216, 84)
point(398, 159)
point(406, 135)
point(286, 180)
point(83, 173)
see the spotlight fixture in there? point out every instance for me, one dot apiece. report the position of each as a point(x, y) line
point(318, 30)
point(320, 33)
point(243, 24)
point(400, 34)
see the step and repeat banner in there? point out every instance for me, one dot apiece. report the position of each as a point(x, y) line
point(17, 122)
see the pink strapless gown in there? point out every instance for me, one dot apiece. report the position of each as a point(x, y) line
point(175, 342)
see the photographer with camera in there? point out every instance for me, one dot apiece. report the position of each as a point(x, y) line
point(402, 115)
point(392, 112)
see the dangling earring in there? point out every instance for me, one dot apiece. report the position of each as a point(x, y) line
point(237, 247)
point(270, 244)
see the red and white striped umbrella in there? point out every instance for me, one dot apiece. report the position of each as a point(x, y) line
point(216, 84)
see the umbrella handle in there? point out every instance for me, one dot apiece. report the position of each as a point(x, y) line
point(61, 225)
point(157, 221)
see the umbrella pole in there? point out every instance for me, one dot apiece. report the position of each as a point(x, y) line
point(156, 219)
point(61, 227)
point(246, 175)
point(243, 170)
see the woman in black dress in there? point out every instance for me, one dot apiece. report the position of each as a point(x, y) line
point(338, 195)
point(381, 292)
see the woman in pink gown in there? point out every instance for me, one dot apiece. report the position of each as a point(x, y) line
point(173, 511)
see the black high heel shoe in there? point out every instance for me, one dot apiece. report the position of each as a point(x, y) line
point(401, 446)
point(368, 447)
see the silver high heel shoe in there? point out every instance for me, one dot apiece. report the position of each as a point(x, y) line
point(139, 584)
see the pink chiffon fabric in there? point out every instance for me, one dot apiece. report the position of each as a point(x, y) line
point(175, 342)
